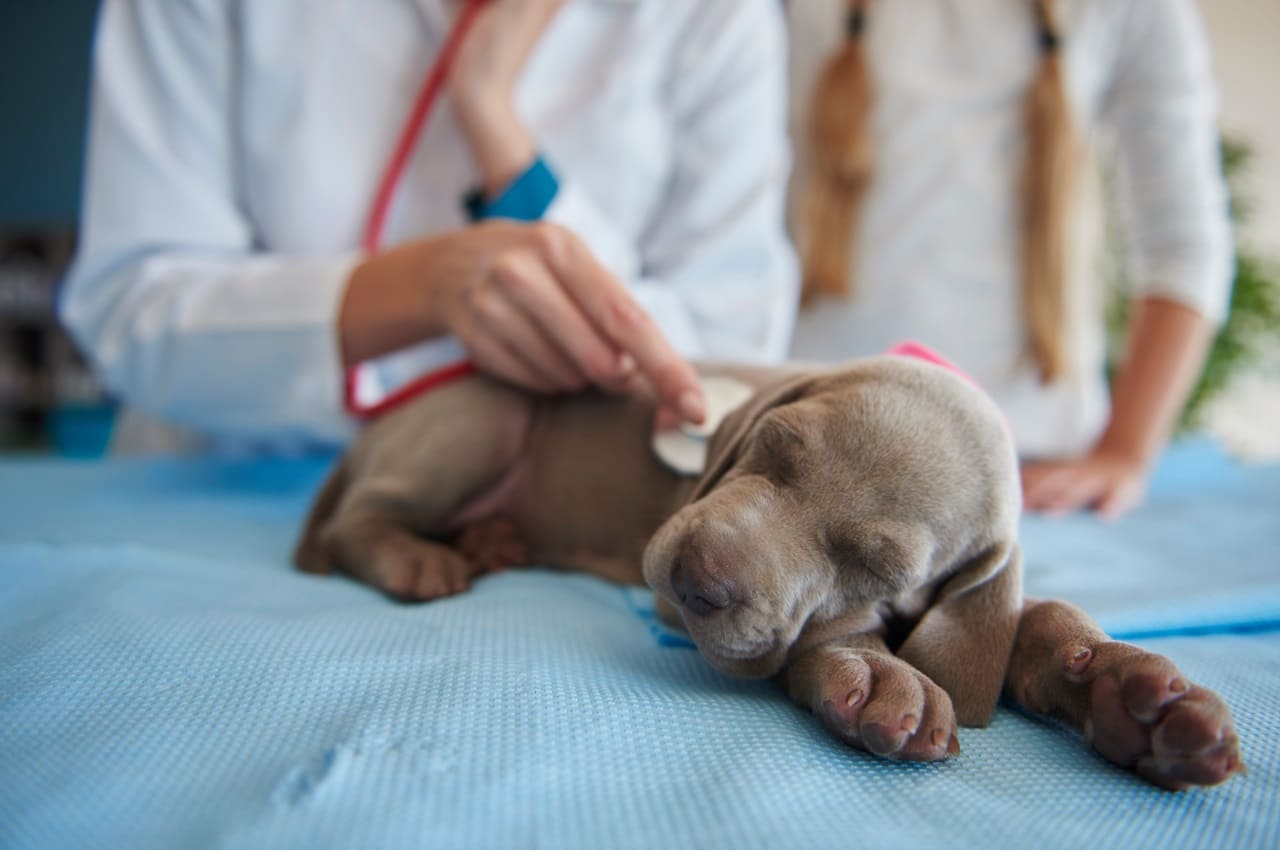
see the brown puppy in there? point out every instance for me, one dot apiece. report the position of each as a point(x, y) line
point(854, 536)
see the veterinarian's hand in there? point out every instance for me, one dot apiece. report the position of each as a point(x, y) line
point(482, 82)
point(530, 304)
point(1107, 481)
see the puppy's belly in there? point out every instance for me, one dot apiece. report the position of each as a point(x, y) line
point(551, 540)
point(587, 493)
point(496, 499)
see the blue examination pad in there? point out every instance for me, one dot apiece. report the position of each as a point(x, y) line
point(167, 681)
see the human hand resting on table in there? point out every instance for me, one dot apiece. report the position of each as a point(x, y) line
point(1167, 346)
point(1108, 481)
point(529, 302)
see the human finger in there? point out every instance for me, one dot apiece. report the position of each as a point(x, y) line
point(493, 357)
point(1041, 482)
point(1122, 497)
point(528, 283)
point(1081, 489)
point(492, 312)
point(622, 321)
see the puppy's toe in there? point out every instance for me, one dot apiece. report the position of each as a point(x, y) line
point(1149, 682)
point(846, 684)
point(893, 714)
point(1195, 724)
point(1110, 729)
point(441, 573)
point(416, 570)
point(935, 738)
point(1194, 743)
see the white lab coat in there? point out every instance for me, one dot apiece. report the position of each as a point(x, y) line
point(234, 149)
point(937, 249)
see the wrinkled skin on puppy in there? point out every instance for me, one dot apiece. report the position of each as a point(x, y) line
point(856, 533)
point(837, 505)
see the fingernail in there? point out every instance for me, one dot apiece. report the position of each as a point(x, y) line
point(854, 697)
point(692, 407)
point(626, 365)
point(1178, 685)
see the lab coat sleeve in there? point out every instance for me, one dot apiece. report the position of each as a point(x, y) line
point(183, 316)
point(1162, 108)
point(715, 269)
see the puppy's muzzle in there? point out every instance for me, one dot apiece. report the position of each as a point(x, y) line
point(696, 585)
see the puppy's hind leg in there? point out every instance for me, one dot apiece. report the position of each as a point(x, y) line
point(367, 540)
point(1134, 707)
point(444, 461)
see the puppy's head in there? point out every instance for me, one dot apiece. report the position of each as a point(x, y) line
point(882, 495)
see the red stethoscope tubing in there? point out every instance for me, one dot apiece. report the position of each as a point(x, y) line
point(437, 74)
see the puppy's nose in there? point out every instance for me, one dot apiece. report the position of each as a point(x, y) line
point(698, 591)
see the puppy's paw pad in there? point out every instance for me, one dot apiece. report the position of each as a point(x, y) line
point(1144, 714)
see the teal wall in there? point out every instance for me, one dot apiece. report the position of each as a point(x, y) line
point(44, 79)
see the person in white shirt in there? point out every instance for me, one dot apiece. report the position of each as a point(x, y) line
point(939, 198)
point(235, 148)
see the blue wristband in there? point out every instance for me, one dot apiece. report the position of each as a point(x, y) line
point(525, 199)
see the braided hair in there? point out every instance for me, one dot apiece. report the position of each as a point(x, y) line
point(842, 162)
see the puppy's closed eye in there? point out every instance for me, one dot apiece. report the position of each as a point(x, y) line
point(872, 559)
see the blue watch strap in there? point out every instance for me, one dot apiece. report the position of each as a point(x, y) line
point(525, 199)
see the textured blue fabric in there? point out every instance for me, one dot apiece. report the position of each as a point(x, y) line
point(166, 681)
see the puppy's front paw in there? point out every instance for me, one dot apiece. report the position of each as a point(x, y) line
point(881, 704)
point(1144, 714)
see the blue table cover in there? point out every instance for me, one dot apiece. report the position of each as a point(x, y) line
point(167, 681)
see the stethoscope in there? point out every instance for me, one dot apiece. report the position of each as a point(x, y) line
point(371, 240)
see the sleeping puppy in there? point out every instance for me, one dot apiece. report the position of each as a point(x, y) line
point(853, 536)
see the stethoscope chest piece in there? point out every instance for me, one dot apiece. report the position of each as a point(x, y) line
point(683, 449)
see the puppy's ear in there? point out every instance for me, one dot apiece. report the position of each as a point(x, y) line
point(964, 640)
point(723, 449)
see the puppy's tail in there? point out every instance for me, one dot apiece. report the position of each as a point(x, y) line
point(311, 555)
